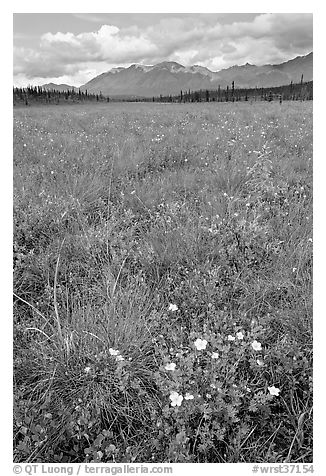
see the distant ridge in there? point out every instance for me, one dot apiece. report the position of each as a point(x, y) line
point(58, 87)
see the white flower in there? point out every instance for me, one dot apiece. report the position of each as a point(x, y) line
point(188, 396)
point(239, 335)
point(113, 352)
point(274, 391)
point(176, 399)
point(173, 307)
point(260, 362)
point(215, 355)
point(119, 358)
point(231, 337)
point(170, 366)
point(87, 370)
point(200, 344)
point(256, 345)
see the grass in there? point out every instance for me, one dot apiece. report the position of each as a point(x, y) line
point(121, 210)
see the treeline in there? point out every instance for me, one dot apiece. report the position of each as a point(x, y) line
point(38, 94)
point(293, 92)
point(302, 91)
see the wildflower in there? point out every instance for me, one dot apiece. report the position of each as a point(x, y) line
point(113, 352)
point(256, 345)
point(176, 399)
point(239, 335)
point(215, 355)
point(188, 396)
point(260, 362)
point(274, 391)
point(173, 307)
point(231, 337)
point(87, 370)
point(119, 358)
point(200, 344)
point(294, 270)
point(170, 366)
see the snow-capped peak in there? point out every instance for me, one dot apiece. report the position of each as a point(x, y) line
point(116, 70)
point(171, 66)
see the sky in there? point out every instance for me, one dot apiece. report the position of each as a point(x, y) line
point(73, 48)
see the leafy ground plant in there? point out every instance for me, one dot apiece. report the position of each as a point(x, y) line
point(163, 283)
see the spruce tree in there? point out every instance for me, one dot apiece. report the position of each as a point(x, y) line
point(301, 87)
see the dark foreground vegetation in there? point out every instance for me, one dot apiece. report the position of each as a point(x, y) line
point(302, 91)
point(163, 283)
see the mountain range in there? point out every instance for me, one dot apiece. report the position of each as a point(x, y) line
point(58, 87)
point(170, 77)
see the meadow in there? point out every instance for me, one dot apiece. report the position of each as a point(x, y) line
point(163, 283)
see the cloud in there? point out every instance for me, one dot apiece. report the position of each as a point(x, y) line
point(63, 53)
point(106, 44)
point(210, 40)
point(91, 17)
